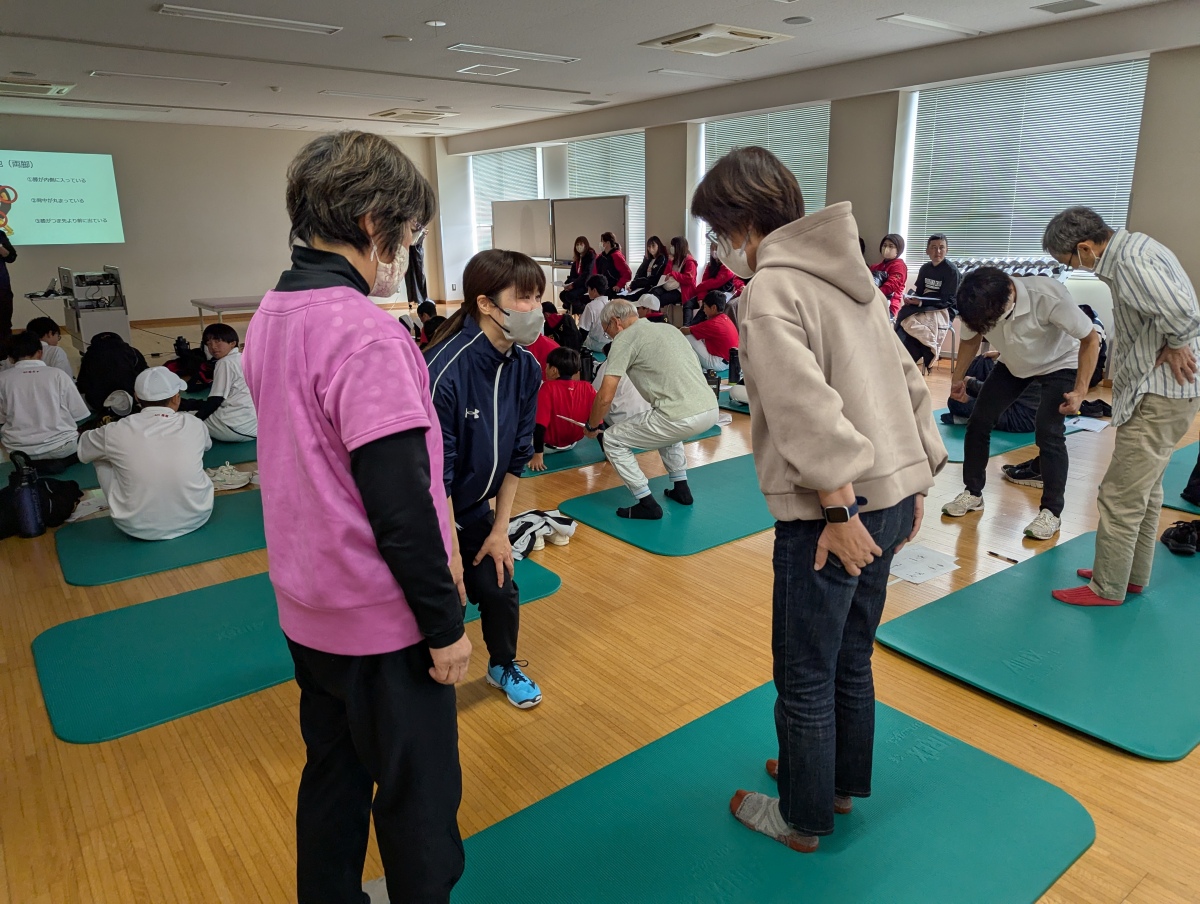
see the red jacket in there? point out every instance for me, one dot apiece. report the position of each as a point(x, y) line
point(719, 335)
point(893, 286)
point(685, 275)
point(722, 276)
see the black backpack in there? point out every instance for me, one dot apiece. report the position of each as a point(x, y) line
point(59, 498)
point(566, 333)
point(110, 363)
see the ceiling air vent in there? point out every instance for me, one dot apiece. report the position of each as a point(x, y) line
point(1066, 6)
point(716, 40)
point(421, 117)
point(28, 88)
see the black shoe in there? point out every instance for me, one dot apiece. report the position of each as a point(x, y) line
point(1193, 498)
point(647, 509)
point(680, 493)
point(1180, 538)
point(1022, 475)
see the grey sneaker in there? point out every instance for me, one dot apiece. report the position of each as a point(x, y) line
point(1044, 526)
point(964, 502)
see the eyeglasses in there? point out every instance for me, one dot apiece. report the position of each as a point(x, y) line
point(712, 237)
point(418, 232)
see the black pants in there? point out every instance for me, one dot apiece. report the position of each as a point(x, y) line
point(1192, 490)
point(499, 606)
point(999, 391)
point(574, 299)
point(52, 466)
point(414, 276)
point(6, 313)
point(372, 721)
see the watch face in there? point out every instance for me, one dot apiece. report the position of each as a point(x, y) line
point(837, 514)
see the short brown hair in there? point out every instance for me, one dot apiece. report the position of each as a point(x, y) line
point(748, 188)
point(338, 178)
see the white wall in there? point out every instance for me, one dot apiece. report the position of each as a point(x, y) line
point(202, 206)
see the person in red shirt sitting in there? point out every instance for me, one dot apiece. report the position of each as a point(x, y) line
point(563, 407)
point(713, 337)
point(891, 273)
point(717, 276)
point(540, 348)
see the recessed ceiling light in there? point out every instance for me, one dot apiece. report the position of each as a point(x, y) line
point(719, 78)
point(436, 23)
point(443, 108)
point(930, 25)
point(490, 71)
point(797, 20)
point(101, 105)
point(102, 73)
point(397, 38)
point(513, 54)
point(589, 103)
point(533, 109)
point(415, 100)
point(293, 116)
point(1065, 6)
point(21, 73)
point(216, 15)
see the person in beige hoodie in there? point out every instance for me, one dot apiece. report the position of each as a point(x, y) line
point(845, 447)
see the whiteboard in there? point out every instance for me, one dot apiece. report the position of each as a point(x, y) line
point(574, 217)
point(522, 226)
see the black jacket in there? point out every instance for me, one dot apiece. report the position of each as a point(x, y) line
point(110, 363)
point(9, 250)
point(649, 273)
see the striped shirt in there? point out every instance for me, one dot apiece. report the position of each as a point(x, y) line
point(1154, 304)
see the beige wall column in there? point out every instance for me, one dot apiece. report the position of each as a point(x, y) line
point(673, 168)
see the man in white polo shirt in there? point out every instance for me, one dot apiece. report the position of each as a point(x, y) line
point(1043, 338)
point(589, 321)
point(39, 407)
point(151, 464)
point(228, 412)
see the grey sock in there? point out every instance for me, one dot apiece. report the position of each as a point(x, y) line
point(761, 813)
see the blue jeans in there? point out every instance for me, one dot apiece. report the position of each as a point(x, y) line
point(822, 636)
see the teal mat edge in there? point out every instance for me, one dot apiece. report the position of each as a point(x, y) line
point(1179, 469)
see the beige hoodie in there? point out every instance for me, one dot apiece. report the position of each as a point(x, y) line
point(834, 397)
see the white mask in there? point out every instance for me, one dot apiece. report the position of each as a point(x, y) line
point(1082, 265)
point(521, 327)
point(388, 276)
point(735, 258)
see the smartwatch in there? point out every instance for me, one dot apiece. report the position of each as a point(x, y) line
point(840, 514)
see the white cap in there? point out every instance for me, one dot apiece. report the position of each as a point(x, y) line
point(119, 402)
point(648, 301)
point(157, 384)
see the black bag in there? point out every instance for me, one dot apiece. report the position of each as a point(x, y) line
point(566, 333)
point(58, 497)
point(587, 365)
point(110, 363)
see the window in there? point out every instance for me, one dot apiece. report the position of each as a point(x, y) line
point(616, 165)
point(800, 138)
point(994, 161)
point(503, 176)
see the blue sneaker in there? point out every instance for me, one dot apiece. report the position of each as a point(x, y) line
point(521, 691)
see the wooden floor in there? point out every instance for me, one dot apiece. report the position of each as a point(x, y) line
point(631, 647)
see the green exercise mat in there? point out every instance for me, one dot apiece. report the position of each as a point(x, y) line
point(85, 474)
point(119, 672)
point(945, 822)
point(954, 435)
point(1128, 675)
point(197, 394)
point(95, 552)
point(730, 405)
point(588, 452)
point(1178, 471)
point(728, 507)
point(113, 674)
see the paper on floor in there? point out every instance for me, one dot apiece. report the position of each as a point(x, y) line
point(917, 564)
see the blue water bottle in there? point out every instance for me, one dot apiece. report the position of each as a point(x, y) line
point(28, 500)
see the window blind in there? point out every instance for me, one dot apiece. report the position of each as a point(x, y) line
point(502, 176)
point(615, 165)
point(994, 161)
point(799, 138)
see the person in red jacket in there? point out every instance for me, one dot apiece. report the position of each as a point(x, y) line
point(891, 273)
point(563, 407)
point(679, 287)
point(611, 264)
point(717, 276)
point(712, 337)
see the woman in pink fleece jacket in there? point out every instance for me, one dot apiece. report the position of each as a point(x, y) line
point(844, 471)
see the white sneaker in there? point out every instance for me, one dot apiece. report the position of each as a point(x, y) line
point(539, 543)
point(964, 502)
point(557, 539)
point(1044, 526)
point(227, 477)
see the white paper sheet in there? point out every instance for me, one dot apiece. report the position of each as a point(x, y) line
point(1090, 424)
point(918, 564)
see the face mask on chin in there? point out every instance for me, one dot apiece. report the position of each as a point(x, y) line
point(521, 327)
point(735, 258)
point(388, 276)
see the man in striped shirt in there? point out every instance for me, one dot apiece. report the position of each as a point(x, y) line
point(1156, 392)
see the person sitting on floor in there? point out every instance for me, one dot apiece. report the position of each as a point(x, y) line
point(426, 311)
point(151, 464)
point(660, 364)
point(713, 337)
point(39, 407)
point(1019, 417)
point(110, 363)
point(228, 412)
point(48, 331)
point(560, 327)
point(649, 308)
point(563, 405)
point(589, 320)
point(541, 347)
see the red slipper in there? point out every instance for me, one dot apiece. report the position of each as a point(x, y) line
point(1082, 596)
point(1086, 574)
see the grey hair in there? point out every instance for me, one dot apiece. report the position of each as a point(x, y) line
point(1072, 226)
point(617, 309)
point(338, 178)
